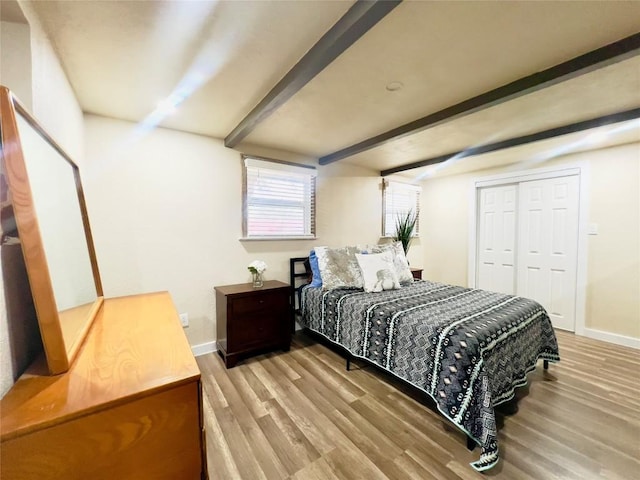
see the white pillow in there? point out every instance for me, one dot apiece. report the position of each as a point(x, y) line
point(378, 272)
point(400, 263)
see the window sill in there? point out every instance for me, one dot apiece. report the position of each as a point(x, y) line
point(262, 239)
point(389, 237)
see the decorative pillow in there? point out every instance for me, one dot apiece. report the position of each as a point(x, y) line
point(316, 280)
point(339, 267)
point(400, 263)
point(378, 271)
point(307, 270)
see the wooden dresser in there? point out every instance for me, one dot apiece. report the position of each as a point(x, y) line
point(129, 407)
point(249, 320)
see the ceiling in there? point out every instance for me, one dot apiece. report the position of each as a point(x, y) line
point(218, 59)
point(10, 12)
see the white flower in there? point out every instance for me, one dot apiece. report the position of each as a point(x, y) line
point(257, 266)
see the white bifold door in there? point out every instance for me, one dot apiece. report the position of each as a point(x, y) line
point(527, 243)
point(497, 239)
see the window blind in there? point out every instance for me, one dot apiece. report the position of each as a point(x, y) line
point(279, 199)
point(398, 200)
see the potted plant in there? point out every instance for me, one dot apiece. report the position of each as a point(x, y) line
point(405, 226)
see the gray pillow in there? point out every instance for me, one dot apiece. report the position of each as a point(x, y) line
point(339, 267)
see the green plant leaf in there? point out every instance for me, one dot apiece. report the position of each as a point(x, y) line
point(405, 225)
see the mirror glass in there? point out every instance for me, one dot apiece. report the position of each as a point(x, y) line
point(57, 207)
point(47, 204)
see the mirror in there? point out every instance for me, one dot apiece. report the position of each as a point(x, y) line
point(53, 228)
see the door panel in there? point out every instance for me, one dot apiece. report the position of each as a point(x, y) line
point(534, 228)
point(559, 231)
point(497, 239)
point(558, 300)
point(534, 282)
point(548, 227)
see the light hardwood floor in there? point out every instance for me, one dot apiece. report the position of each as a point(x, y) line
point(300, 415)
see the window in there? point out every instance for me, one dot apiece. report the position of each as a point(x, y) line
point(397, 200)
point(279, 199)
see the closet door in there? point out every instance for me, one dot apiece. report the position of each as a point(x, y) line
point(497, 239)
point(547, 246)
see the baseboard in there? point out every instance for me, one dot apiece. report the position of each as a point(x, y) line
point(203, 348)
point(612, 338)
point(210, 347)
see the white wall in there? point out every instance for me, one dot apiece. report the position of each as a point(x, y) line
point(54, 103)
point(15, 72)
point(165, 210)
point(613, 271)
point(613, 289)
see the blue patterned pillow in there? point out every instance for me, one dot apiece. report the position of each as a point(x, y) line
point(315, 269)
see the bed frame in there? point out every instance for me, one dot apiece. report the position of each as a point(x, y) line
point(296, 273)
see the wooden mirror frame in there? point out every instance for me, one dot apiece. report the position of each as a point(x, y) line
point(59, 357)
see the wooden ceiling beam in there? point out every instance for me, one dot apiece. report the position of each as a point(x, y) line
point(593, 60)
point(361, 17)
point(514, 142)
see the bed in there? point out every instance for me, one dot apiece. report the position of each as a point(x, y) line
point(467, 349)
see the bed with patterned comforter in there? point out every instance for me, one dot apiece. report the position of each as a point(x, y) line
point(468, 349)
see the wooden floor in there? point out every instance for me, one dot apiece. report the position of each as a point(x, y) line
point(300, 415)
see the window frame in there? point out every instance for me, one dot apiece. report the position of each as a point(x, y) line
point(387, 189)
point(309, 201)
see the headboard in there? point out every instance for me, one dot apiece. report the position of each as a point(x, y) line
point(299, 275)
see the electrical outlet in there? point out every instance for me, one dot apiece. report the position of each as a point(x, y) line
point(184, 319)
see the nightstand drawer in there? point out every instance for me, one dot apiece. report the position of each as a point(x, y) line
point(258, 304)
point(248, 330)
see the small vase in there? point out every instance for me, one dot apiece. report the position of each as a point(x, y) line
point(257, 280)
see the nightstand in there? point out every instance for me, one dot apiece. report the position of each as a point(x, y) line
point(251, 320)
point(417, 273)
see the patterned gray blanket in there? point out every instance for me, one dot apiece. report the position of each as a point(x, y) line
point(468, 349)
